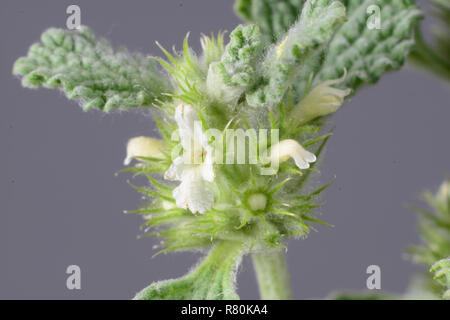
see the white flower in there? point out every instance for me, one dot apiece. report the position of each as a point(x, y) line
point(320, 101)
point(143, 147)
point(195, 167)
point(289, 148)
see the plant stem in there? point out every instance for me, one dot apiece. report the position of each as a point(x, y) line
point(272, 275)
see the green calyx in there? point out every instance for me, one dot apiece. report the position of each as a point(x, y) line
point(259, 213)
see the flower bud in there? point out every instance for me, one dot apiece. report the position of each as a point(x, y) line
point(144, 147)
point(322, 100)
point(289, 148)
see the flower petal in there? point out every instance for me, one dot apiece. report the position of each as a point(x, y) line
point(176, 169)
point(143, 147)
point(322, 100)
point(193, 194)
point(185, 116)
point(207, 166)
point(289, 148)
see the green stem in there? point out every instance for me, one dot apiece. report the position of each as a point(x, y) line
point(272, 275)
point(213, 278)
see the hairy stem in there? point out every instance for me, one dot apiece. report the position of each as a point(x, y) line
point(272, 275)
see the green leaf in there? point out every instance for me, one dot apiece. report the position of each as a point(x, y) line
point(367, 54)
point(212, 279)
point(89, 70)
point(435, 55)
point(442, 11)
point(317, 24)
point(236, 70)
point(274, 17)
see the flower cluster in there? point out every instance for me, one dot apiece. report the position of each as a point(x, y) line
point(236, 201)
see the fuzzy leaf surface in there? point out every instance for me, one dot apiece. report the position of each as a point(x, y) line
point(368, 53)
point(90, 71)
point(317, 24)
point(212, 279)
point(274, 17)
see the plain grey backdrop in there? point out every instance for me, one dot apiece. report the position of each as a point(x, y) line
point(60, 203)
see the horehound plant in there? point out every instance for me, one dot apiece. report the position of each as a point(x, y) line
point(286, 71)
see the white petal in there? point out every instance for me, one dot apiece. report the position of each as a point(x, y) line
point(289, 148)
point(322, 100)
point(176, 169)
point(195, 166)
point(143, 147)
point(193, 194)
point(185, 116)
point(308, 156)
point(207, 167)
point(190, 129)
point(300, 163)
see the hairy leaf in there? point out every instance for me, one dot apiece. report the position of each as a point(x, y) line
point(274, 17)
point(367, 53)
point(317, 24)
point(212, 279)
point(89, 70)
point(235, 72)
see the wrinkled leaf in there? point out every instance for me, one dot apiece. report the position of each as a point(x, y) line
point(90, 71)
point(274, 17)
point(317, 24)
point(367, 53)
point(235, 72)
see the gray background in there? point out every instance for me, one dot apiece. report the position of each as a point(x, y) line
point(61, 204)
